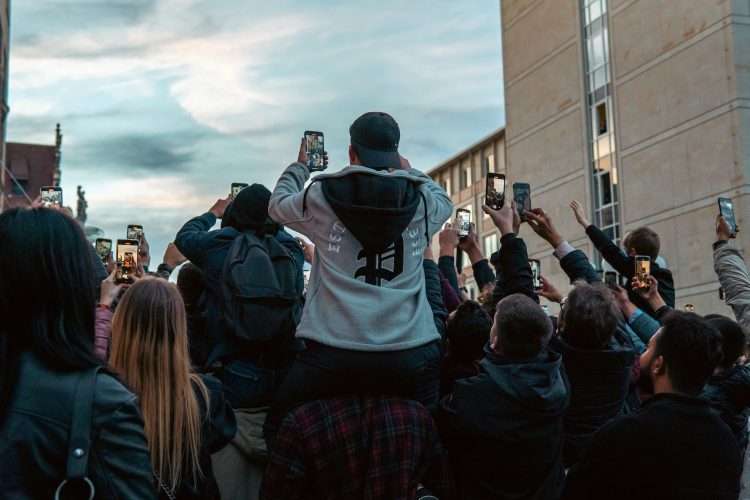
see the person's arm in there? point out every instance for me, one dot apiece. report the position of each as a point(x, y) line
point(439, 204)
point(611, 252)
point(498, 292)
point(434, 292)
point(193, 239)
point(514, 259)
point(731, 269)
point(640, 323)
point(121, 450)
point(482, 272)
point(450, 297)
point(654, 299)
point(577, 266)
point(103, 321)
point(448, 240)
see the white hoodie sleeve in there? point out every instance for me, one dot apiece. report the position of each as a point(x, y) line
point(286, 204)
point(439, 204)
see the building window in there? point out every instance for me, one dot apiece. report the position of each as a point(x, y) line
point(465, 176)
point(601, 118)
point(488, 165)
point(446, 185)
point(490, 245)
point(18, 187)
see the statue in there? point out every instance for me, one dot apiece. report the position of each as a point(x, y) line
point(81, 207)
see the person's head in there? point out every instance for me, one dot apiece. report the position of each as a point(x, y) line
point(642, 241)
point(468, 331)
point(249, 210)
point(47, 294)
point(487, 299)
point(150, 352)
point(589, 318)
point(374, 139)
point(521, 328)
point(733, 340)
point(190, 283)
point(681, 356)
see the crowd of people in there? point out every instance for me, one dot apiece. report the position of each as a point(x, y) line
point(376, 378)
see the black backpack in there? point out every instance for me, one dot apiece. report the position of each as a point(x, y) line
point(259, 296)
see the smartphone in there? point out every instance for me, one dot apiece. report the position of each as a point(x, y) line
point(642, 271)
point(127, 260)
point(689, 308)
point(134, 232)
point(610, 279)
point(536, 273)
point(103, 249)
point(495, 195)
point(464, 222)
point(726, 209)
point(306, 277)
point(51, 195)
point(236, 188)
point(522, 196)
point(315, 149)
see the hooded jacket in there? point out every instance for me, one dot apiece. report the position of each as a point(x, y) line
point(729, 392)
point(731, 269)
point(599, 382)
point(370, 228)
point(503, 428)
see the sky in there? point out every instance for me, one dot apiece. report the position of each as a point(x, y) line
point(164, 103)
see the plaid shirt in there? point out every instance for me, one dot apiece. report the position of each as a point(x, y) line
point(365, 447)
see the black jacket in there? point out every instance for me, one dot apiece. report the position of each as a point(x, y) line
point(34, 437)
point(515, 272)
point(503, 428)
point(218, 428)
point(599, 382)
point(674, 447)
point(208, 250)
point(729, 392)
point(625, 265)
point(434, 291)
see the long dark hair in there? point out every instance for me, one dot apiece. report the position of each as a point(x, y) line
point(47, 294)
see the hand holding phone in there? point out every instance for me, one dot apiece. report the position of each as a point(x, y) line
point(495, 191)
point(463, 217)
point(314, 151)
point(522, 196)
point(642, 275)
point(51, 196)
point(726, 210)
point(127, 260)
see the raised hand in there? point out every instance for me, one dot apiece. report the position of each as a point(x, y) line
point(220, 207)
point(542, 225)
point(448, 240)
point(723, 230)
point(109, 290)
point(548, 291)
point(173, 257)
point(308, 249)
point(651, 294)
point(504, 218)
point(144, 254)
point(579, 213)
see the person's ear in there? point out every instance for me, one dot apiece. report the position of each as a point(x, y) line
point(353, 158)
point(658, 367)
point(632, 252)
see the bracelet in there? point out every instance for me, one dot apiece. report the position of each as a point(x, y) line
point(104, 306)
point(463, 289)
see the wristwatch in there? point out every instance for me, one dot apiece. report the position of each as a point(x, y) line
point(463, 289)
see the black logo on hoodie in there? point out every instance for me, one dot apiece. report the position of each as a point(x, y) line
point(373, 271)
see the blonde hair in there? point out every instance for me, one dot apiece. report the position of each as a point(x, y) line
point(150, 352)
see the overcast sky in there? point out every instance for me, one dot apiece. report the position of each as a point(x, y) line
point(164, 103)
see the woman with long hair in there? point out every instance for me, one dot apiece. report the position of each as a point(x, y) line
point(186, 417)
point(47, 301)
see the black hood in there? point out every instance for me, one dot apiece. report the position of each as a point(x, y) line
point(376, 209)
point(249, 210)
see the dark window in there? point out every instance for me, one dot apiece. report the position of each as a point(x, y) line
point(601, 118)
point(18, 187)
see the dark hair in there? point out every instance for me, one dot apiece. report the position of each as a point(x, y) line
point(521, 326)
point(487, 299)
point(468, 331)
point(732, 338)
point(644, 241)
point(190, 283)
point(47, 296)
point(590, 316)
point(691, 348)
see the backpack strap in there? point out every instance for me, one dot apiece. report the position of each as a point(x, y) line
point(79, 445)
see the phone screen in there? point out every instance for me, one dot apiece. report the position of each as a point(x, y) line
point(689, 308)
point(610, 279)
point(127, 260)
point(522, 197)
point(314, 144)
point(726, 208)
point(495, 190)
point(103, 249)
point(236, 188)
point(51, 195)
point(536, 273)
point(134, 232)
point(464, 222)
point(642, 271)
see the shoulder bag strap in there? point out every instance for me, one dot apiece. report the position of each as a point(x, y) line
point(79, 446)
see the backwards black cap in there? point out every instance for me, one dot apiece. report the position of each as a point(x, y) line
point(375, 136)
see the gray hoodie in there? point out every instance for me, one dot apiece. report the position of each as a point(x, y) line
point(370, 229)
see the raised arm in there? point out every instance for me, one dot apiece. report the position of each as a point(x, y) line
point(731, 269)
point(448, 240)
point(482, 272)
point(611, 252)
point(193, 239)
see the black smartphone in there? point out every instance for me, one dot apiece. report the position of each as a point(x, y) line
point(610, 279)
point(51, 195)
point(726, 209)
point(103, 249)
point(536, 273)
point(134, 232)
point(127, 260)
point(642, 271)
point(464, 222)
point(495, 194)
point(522, 196)
point(315, 150)
point(236, 188)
